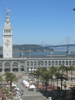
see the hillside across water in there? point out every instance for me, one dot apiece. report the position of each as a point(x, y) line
point(29, 48)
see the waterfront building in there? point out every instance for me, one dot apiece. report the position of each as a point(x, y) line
point(25, 63)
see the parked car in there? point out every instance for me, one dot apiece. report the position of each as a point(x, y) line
point(17, 89)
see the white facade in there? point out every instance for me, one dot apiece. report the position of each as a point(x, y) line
point(7, 39)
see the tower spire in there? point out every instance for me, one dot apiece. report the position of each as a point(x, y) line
point(7, 38)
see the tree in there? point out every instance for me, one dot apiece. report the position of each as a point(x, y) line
point(52, 71)
point(67, 69)
point(1, 79)
point(62, 68)
point(62, 76)
point(57, 73)
point(10, 77)
point(37, 73)
point(45, 77)
point(71, 68)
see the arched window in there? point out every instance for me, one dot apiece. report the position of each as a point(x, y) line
point(45, 62)
point(73, 62)
point(69, 62)
point(59, 62)
point(7, 64)
point(66, 62)
point(15, 64)
point(42, 63)
point(62, 62)
point(34, 63)
point(52, 62)
point(31, 63)
point(49, 63)
point(56, 63)
point(27, 63)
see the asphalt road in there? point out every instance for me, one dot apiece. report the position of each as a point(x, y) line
point(30, 95)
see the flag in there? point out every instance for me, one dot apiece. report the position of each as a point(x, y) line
point(9, 10)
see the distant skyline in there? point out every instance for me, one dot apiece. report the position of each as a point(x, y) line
point(39, 21)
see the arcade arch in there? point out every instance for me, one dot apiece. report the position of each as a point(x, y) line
point(7, 66)
point(22, 68)
point(15, 66)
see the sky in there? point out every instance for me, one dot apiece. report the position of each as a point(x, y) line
point(39, 21)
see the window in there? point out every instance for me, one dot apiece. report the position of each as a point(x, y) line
point(66, 62)
point(45, 62)
point(59, 62)
point(27, 63)
point(56, 63)
point(63, 63)
point(49, 63)
point(34, 63)
point(31, 63)
point(52, 62)
point(7, 31)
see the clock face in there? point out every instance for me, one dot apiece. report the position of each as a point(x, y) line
point(7, 42)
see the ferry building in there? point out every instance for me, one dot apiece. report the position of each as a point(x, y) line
point(9, 63)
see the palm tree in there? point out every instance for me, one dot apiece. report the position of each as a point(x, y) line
point(10, 77)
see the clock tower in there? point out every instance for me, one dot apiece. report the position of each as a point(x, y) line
point(7, 38)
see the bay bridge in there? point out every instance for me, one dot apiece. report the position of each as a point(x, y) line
point(67, 45)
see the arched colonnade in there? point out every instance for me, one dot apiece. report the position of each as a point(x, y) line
point(31, 65)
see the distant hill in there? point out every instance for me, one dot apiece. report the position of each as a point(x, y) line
point(29, 48)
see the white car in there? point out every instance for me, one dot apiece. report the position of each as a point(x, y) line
point(17, 89)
